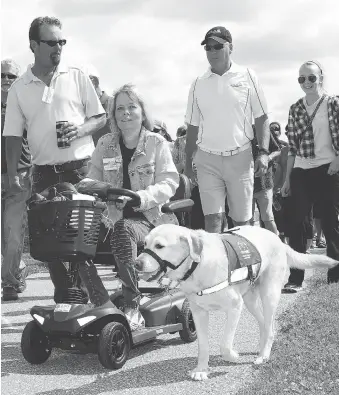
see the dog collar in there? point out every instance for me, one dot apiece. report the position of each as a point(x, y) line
point(190, 271)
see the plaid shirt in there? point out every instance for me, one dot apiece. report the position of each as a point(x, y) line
point(300, 132)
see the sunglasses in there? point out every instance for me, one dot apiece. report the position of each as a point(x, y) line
point(53, 43)
point(275, 129)
point(216, 47)
point(9, 76)
point(312, 78)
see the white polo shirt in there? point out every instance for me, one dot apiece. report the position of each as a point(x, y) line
point(223, 107)
point(33, 106)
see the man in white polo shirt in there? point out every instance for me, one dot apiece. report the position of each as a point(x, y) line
point(221, 105)
point(46, 93)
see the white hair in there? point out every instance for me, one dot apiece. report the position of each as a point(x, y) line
point(12, 65)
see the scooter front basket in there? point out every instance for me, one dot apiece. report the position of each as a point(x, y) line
point(64, 230)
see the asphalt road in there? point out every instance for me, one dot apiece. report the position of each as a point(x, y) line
point(159, 367)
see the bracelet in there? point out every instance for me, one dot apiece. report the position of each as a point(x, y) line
point(264, 151)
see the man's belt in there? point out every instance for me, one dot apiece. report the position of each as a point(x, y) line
point(61, 168)
point(227, 153)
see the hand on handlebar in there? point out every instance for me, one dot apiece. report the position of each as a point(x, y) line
point(121, 202)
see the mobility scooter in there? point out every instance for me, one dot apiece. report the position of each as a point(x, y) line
point(68, 231)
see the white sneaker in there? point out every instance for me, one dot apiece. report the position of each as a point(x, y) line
point(134, 318)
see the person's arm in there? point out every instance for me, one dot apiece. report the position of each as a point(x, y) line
point(178, 156)
point(92, 125)
point(262, 132)
point(261, 122)
point(192, 119)
point(95, 113)
point(13, 154)
point(104, 99)
point(13, 132)
point(166, 180)
point(289, 167)
point(191, 147)
point(274, 155)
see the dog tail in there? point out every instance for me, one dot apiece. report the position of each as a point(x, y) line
point(308, 261)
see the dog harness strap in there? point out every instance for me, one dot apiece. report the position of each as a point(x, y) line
point(163, 264)
point(190, 271)
point(213, 289)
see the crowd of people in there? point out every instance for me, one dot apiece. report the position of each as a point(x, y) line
point(228, 147)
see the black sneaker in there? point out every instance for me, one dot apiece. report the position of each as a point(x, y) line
point(9, 293)
point(291, 288)
point(22, 278)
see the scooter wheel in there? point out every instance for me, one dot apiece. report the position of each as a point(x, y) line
point(188, 333)
point(34, 344)
point(114, 345)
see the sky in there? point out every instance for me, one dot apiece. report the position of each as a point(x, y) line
point(155, 44)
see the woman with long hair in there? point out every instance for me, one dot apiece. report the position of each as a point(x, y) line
point(312, 175)
point(132, 157)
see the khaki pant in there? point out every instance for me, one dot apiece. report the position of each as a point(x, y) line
point(13, 223)
point(221, 176)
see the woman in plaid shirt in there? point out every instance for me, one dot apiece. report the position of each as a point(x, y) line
point(313, 166)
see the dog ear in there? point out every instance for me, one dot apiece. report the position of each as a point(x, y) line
point(194, 244)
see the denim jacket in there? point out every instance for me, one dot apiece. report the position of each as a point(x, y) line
point(152, 173)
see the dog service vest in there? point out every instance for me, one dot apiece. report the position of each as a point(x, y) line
point(244, 259)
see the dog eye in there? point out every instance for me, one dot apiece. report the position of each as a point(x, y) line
point(158, 246)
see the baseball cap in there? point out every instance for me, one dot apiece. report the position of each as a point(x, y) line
point(219, 34)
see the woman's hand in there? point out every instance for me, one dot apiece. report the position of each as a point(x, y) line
point(286, 189)
point(121, 202)
point(334, 166)
point(261, 165)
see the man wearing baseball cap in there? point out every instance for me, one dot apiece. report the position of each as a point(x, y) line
point(221, 105)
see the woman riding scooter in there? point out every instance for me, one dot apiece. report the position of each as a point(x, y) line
point(134, 158)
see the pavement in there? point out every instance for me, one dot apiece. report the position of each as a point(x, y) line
point(158, 367)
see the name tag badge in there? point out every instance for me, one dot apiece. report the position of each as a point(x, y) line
point(112, 163)
point(48, 94)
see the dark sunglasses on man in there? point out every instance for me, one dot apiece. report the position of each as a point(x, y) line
point(53, 43)
point(216, 47)
point(9, 76)
point(275, 128)
point(312, 78)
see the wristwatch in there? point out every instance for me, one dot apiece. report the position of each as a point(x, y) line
point(264, 151)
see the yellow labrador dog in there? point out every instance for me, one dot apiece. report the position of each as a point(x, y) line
point(177, 250)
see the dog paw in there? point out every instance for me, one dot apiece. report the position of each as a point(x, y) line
point(198, 375)
point(260, 360)
point(230, 355)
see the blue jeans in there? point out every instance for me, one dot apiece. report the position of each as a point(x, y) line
point(13, 224)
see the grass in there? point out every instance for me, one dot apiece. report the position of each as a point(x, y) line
point(305, 355)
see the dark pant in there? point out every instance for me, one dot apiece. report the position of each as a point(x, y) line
point(309, 187)
point(197, 215)
point(128, 235)
point(44, 177)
